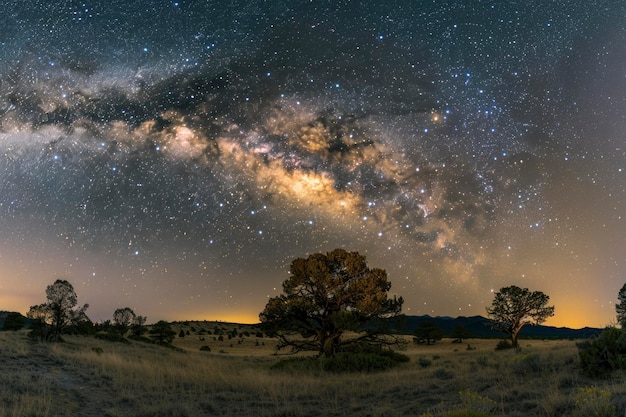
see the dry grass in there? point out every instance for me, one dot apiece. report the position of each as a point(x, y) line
point(89, 377)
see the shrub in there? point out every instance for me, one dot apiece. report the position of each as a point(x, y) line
point(396, 356)
point(503, 345)
point(527, 364)
point(472, 400)
point(424, 363)
point(443, 374)
point(297, 365)
point(112, 337)
point(592, 401)
point(344, 362)
point(13, 321)
point(482, 361)
point(604, 354)
point(205, 348)
point(358, 362)
point(143, 339)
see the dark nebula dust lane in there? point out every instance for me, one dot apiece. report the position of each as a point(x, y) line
point(175, 156)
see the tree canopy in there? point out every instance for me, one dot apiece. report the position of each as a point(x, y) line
point(123, 318)
point(326, 296)
point(58, 312)
point(162, 333)
point(513, 307)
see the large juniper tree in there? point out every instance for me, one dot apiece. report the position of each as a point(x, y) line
point(513, 307)
point(326, 296)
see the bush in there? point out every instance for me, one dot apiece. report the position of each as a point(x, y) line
point(503, 345)
point(592, 401)
point(205, 348)
point(112, 337)
point(358, 362)
point(472, 400)
point(527, 364)
point(395, 356)
point(424, 363)
point(443, 374)
point(482, 361)
point(344, 362)
point(143, 339)
point(604, 354)
point(13, 321)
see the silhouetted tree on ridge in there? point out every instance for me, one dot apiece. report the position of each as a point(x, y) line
point(58, 313)
point(123, 319)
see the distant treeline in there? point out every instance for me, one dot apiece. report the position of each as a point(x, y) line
point(480, 327)
point(475, 326)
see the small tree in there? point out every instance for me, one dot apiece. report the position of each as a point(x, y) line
point(162, 332)
point(326, 296)
point(58, 313)
point(459, 333)
point(513, 307)
point(123, 318)
point(427, 332)
point(80, 323)
point(138, 327)
point(620, 307)
point(39, 316)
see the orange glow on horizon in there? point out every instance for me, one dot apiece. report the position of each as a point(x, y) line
point(576, 315)
point(231, 317)
point(16, 303)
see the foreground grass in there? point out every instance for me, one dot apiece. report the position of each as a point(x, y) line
point(89, 377)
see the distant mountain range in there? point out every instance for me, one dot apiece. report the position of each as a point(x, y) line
point(476, 326)
point(479, 327)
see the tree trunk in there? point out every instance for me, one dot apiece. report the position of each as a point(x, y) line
point(328, 344)
point(514, 340)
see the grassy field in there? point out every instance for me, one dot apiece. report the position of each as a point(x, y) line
point(89, 377)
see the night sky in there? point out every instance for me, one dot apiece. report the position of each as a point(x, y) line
point(175, 156)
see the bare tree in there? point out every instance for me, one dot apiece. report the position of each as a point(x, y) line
point(513, 307)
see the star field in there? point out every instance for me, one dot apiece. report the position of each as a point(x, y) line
point(175, 156)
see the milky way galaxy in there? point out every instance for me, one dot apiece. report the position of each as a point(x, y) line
point(175, 156)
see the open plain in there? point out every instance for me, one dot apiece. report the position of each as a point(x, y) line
point(88, 377)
